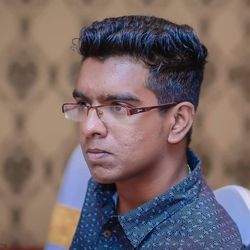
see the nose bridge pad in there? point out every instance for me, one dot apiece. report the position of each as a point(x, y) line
point(89, 108)
point(93, 124)
point(96, 110)
point(99, 113)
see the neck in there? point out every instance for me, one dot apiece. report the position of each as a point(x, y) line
point(147, 187)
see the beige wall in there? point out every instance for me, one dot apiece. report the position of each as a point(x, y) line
point(37, 74)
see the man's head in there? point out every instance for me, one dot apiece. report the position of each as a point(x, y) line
point(133, 62)
point(172, 53)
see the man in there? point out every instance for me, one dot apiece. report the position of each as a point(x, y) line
point(135, 101)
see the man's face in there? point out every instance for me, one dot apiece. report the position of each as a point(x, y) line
point(120, 150)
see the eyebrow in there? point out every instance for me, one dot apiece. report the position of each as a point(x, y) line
point(79, 95)
point(107, 97)
point(121, 97)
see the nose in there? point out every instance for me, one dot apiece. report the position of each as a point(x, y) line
point(92, 126)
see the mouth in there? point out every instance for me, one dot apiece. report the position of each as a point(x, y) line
point(95, 154)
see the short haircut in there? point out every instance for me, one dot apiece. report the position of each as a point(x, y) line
point(173, 53)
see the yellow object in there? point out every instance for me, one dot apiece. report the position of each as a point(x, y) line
point(63, 225)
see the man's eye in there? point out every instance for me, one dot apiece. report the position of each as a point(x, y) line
point(82, 105)
point(117, 109)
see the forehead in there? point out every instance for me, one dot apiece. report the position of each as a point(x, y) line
point(114, 75)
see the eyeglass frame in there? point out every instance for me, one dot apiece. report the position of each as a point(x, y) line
point(130, 110)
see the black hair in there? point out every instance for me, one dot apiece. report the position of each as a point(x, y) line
point(173, 53)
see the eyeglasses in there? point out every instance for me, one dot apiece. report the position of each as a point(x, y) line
point(79, 111)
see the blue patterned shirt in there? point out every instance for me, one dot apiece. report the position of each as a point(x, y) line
point(187, 216)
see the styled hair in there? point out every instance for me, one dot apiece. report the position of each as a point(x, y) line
point(173, 53)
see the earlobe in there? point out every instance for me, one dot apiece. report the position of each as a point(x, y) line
point(183, 116)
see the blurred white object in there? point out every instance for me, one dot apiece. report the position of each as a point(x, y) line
point(69, 202)
point(236, 201)
point(75, 181)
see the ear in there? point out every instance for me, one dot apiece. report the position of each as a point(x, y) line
point(181, 122)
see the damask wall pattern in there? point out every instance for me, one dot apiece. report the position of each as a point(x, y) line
point(38, 70)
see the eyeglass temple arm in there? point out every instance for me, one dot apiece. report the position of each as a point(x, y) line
point(132, 111)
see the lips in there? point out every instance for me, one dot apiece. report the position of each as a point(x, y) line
point(96, 150)
point(95, 154)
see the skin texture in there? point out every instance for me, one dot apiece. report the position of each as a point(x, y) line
point(143, 155)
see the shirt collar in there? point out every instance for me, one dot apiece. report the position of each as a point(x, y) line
point(139, 222)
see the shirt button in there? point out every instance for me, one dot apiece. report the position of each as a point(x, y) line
point(107, 233)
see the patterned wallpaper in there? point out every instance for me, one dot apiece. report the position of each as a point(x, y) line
point(38, 70)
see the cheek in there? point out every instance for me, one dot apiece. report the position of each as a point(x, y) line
point(137, 143)
point(129, 136)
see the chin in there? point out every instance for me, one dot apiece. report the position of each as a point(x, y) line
point(102, 177)
point(103, 180)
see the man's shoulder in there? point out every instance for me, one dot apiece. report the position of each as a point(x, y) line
point(201, 223)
